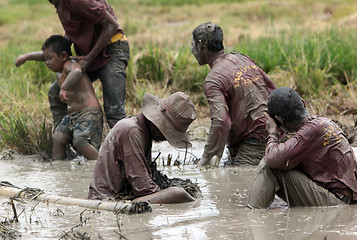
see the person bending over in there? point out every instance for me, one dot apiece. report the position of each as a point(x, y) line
point(237, 91)
point(123, 162)
point(102, 51)
point(315, 167)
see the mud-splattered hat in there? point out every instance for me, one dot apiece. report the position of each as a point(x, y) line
point(287, 104)
point(171, 115)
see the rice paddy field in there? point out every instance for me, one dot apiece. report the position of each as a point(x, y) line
point(308, 45)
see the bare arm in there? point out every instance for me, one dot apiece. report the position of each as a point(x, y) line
point(34, 56)
point(73, 77)
point(109, 28)
point(166, 196)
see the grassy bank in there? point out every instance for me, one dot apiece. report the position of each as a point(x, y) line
point(282, 37)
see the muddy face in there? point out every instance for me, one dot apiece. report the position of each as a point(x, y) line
point(52, 60)
point(197, 52)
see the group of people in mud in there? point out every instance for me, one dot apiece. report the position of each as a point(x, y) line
point(313, 165)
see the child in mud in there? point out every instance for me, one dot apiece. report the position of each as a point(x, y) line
point(83, 125)
point(123, 168)
point(315, 167)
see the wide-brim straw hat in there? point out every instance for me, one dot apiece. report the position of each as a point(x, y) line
point(171, 115)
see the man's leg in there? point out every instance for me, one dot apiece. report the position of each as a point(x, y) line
point(263, 188)
point(58, 108)
point(113, 77)
point(293, 186)
point(299, 190)
point(249, 152)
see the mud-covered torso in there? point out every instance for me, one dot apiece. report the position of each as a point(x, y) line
point(237, 91)
point(80, 95)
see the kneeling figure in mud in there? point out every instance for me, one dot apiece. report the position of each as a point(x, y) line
point(123, 163)
point(315, 167)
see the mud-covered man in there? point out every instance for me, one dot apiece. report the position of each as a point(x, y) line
point(315, 167)
point(237, 91)
point(123, 162)
point(102, 51)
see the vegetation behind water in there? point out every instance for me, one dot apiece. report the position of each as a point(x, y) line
point(306, 45)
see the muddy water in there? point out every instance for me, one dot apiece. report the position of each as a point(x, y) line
point(220, 214)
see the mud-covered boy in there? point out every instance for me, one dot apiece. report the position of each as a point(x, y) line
point(84, 122)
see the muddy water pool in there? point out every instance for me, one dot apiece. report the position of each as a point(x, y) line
point(220, 214)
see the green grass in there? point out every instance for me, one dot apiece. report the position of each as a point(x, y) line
point(24, 134)
point(315, 62)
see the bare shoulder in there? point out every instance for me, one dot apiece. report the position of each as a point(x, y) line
point(71, 65)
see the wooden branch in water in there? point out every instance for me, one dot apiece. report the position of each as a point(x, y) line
point(126, 207)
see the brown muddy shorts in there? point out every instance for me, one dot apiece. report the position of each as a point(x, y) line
point(83, 126)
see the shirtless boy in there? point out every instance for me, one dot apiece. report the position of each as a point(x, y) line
point(83, 125)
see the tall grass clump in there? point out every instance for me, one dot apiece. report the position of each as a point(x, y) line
point(315, 60)
point(22, 133)
point(174, 69)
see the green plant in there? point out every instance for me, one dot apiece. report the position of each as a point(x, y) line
point(24, 134)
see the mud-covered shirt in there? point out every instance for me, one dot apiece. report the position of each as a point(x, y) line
point(81, 21)
point(321, 151)
point(237, 91)
point(122, 160)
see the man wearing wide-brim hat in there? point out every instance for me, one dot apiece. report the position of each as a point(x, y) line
point(125, 153)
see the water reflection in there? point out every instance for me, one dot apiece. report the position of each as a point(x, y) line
point(304, 222)
point(220, 214)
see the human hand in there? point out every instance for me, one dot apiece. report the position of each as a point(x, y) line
point(83, 61)
point(63, 96)
point(208, 162)
point(20, 60)
point(270, 124)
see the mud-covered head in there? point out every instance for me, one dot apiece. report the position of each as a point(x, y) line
point(286, 103)
point(58, 43)
point(211, 35)
point(56, 51)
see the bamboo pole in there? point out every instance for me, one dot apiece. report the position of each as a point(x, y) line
point(115, 206)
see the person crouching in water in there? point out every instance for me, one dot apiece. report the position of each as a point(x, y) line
point(315, 167)
point(123, 162)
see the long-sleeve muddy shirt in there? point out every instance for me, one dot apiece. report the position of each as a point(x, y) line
point(123, 160)
point(321, 151)
point(237, 91)
point(81, 19)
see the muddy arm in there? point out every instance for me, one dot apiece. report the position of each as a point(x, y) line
point(35, 56)
point(168, 195)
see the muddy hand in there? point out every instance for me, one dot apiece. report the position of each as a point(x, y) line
point(83, 62)
point(208, 162)
point(20, 60)
point(270, 124)
point(63, 96)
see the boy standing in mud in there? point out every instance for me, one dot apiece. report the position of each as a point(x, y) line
point(315, 167)
point(237, 91)
point(83, 125)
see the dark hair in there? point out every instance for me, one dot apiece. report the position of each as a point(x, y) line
point(287, 104)
point(58, 43)
point(211, 35)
